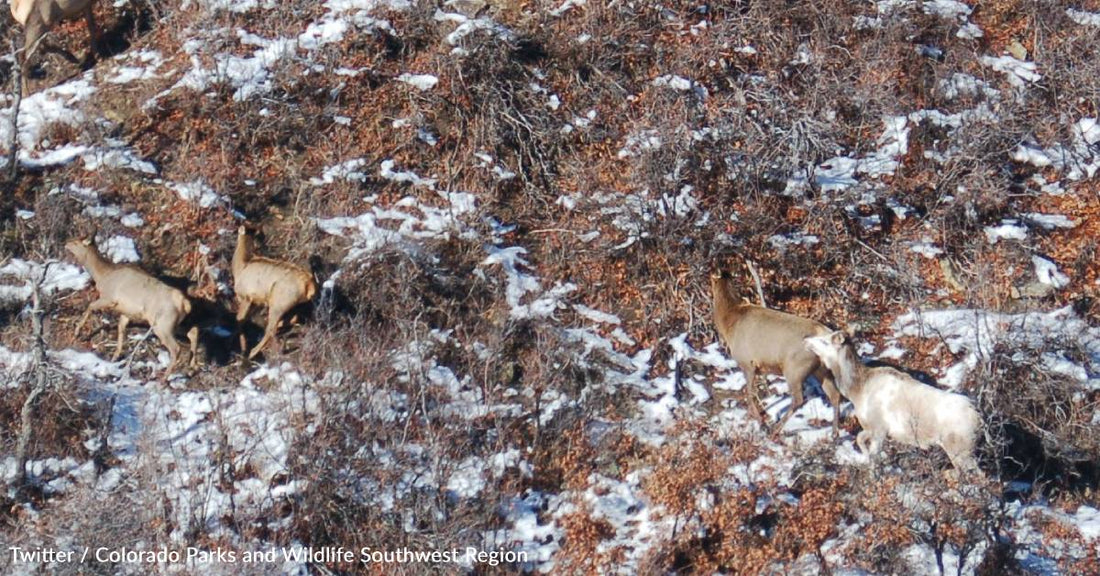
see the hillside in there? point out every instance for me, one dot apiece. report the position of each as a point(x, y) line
point(512, 210)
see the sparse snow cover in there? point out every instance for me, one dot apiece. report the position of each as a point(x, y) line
point(841, 172)
point(404, 176)
point(1084, 18)
point(238, 6)
point(526, 533)
point(926, 248)
point(1008, 229)
point(1048, 272)
point(639, 142)
point(977, 332)
point(1079, 160)
point(1087, 518)
point(258, 420)
point(147, 62)
point(252, 75)
point(966, 85)
point(596, 315)
point(1049, 221)
point(1017, 72)
point(681, 84)
point(422, 82)
point(499, 172)
point(120, 157)
point(120, 249)
point(521, 283)
point(349, 170)
point(16, 276)
point(949, 9)
point(416, 220)
point(255, 424)
point(784, 241)
point(1088, 129)
point(197, 192)
point(37, 112)
point(892, 144)
point(467, 26)
point(969, 31)
point(1031, 154)
point(566, 6)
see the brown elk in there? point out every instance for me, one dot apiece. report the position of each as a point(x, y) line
point(280, 286)
point(37, 18)
point(764, 340)
point(135, 296)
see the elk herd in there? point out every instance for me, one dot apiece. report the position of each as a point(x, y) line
point(888, 403)
point(137, 296)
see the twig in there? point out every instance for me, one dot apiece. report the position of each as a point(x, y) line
point(17, 93)
point(41, 382)
point(873, 251)
point(756, 280)
point(130, 359)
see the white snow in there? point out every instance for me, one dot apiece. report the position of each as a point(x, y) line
point(197, 192)
point(1084, 18)
point(1048, 273)
point(1049, 221)
point(55, 105)
point(842, 172)
point(422, 82)
point(415, 219)
point(950, 9)
point(17, 274)
point(976, 333)
point(926, 248)
point(348, 170)
point(966, 85)
point(566, 6)
point(784, 241)
point(1017, 72)
point(120, 249)
point(1008, 229)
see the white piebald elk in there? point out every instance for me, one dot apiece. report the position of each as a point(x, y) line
point(37, 18)
point(891, 403)
point(136, 297)
point(764, 340)
point(280, 286)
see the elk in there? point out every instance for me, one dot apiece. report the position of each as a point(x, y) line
point(135, 296)
point(891, 403)
point(37, 18)
point(280, 286)
point(764, 340)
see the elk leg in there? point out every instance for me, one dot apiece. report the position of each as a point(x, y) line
point(795, 378)
point(244, 305)
point(123, 323)
point(95, 306)
point(193, 337)
point(166, 334)
point(273, 316)
point(94, 32)
point(833, 394)
point(34, 33)
point(749, 370)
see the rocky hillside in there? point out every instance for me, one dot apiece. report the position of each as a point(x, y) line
point(511, 210)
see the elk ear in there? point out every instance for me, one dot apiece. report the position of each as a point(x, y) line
point(850, 331)
point(87, 241)
point(838, 338)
